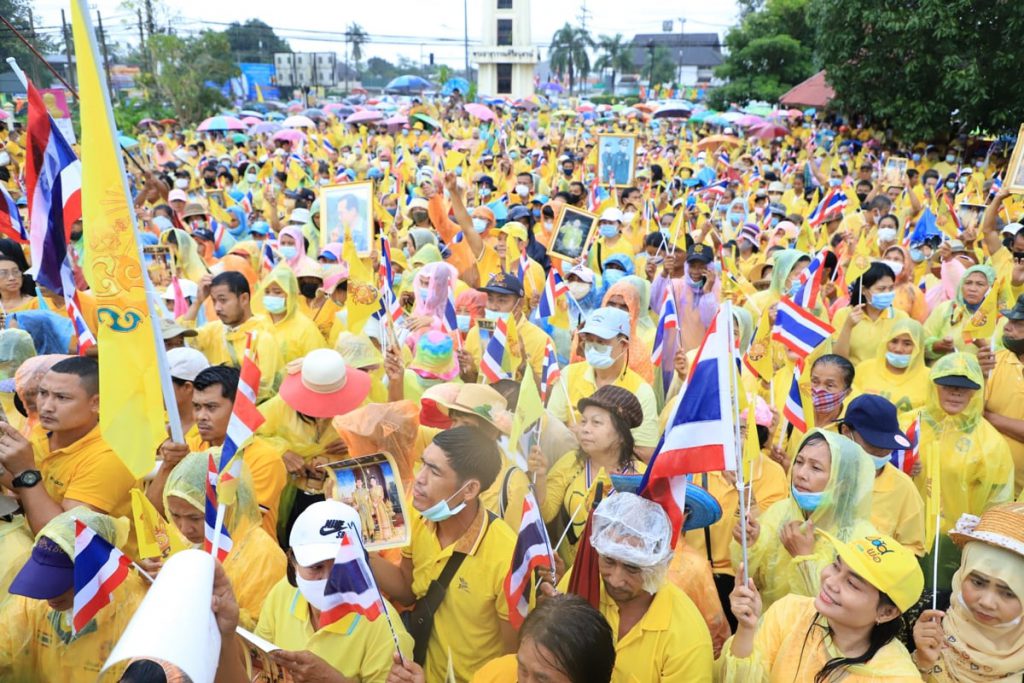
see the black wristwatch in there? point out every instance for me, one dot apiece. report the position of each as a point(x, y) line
point(27, 479)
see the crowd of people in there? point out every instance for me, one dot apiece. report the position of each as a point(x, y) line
point(882, 538)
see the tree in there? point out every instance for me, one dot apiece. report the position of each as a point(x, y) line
point(770, 51)
point(355, 35)
point(927, 72)
point(616, 56)
point(568, 53)
point(254, 41)
point(660, 68)
point(183, 68)
point(19, 13)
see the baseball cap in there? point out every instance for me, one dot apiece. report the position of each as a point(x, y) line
point(875, 419)
point(761, 194)
point(582, 272)
point(1011, 228)
point(776, 186)
point(203, 234)
point(317, 532)
point(611, 214)
point(300, 216)
point(503, 283)
point(48, 573)
point(885, 564)
point(699, 252)
point(185, 363)
point(518, 212)
point(777, 209)
point(177, 195)
point(418, 203)
point(259, 227)
point(607, 323)
point(1017, 312)
point(302, 193)
point(485, 180)
point(959, 381)
point(188, 289)
point(170, 329)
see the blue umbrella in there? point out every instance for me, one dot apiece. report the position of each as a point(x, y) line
point(408, 83)
point(127, 142)
point(553, 87)
point(453, 84)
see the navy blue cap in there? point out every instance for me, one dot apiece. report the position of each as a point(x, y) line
point(503, 283)
point(47, 574)
point(875, 419)
point(517, 212)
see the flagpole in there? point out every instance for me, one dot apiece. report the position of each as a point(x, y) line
point(572, 520)
point(735, 387)
point(383, 605)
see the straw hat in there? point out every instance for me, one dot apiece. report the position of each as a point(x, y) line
point(321, 385)
point(480, 400)
point(1001, 526)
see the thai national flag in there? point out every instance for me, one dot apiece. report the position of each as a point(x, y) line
point(247, 202)
point(906, 458)
point(798, 329)
point(388, 300)
point(554, 288)
point(99, 569)
point(494, 354)
point(810, 281)
point(667, 320)
point(524, 264)
point(53, 178)
point(723, 156)
point(532, 551)
point(11, 225)
point(269, 257)
point(834, 201)
point(793, 410)
point(697, 438)
point(350, 587)
point(450, 322)
point(550, 373)
point(997, 184)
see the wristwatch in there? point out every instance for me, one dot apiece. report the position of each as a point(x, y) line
point(27, 479)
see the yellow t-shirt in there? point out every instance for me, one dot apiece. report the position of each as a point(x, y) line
point(897, 509)
point(865, 334)
point(354, 646)
point(1004, 395)
point(533, 339)
point(501, 670)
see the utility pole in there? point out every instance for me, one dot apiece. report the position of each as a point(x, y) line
point(142, 41)
point(584, 16)
point(682, 41)
point(67, 46)
point(150, 26)
point(650, 66)
point(106, 56)
point(465, 35)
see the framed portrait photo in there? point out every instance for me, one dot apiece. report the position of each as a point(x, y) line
point(573, 233)
point(895, 172)
point(346, 213)
point(969, 215)
point(616, 160)
point(1014, 180)
point(371, 485)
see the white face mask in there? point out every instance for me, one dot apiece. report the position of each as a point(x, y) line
point(181, 183)
point(313, 591)
point(628, 216)
point(5, 158)
point(578, 290)
point(897, 266)
point(522, 190)
point(886, 235)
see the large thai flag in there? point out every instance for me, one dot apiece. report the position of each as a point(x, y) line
point(550, 373)
point(532, 551)
point(700, 437)
point(905, 459)
point(668, 320)
point(494, 353)
point(389, 300)
point(833, 201)
point(99, 569)
point(810, 281)
point(554, 288)
point(350, 587)
point(798, 329)
point(11, 225)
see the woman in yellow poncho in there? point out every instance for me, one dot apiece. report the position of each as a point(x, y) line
point(294, 332)
point(15, 348)
point(831, 480)
point(974, 459)
point(255, 562)
point(943, 330)
point(869, 316)
point(897, 372)
point(786, 269)
point(187, 260)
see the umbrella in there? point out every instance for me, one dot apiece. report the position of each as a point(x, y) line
point(364, 116)
point(167, 122)
point(748, 120)
point(794, 113)
point(453, 84)
point(717, 120)
point(221, 123)
point(251, 112)
point(717, 140)
point(275, 116)
point(4, 115)
point(251, 121)
point(768, 131)
point(645, 107)
point(700, 116)
point(239, 138)
point(339, 109)
point(528, 103)
point(408, 83)
point(298, 121)
point(265, 128)
point(396, 120)
point(290, 134)
point(426, 120)
point(314, 113)
point(585, 107)
point(732, 116)
point(294, 107)
point(127, 142)
point(565, 114)
point(553, 87)
point(479, 111)
point(758, 108)
point(143, 122)
point(673, 110)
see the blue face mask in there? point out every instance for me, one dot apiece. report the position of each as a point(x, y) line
point(274, 304)
point(735, 218)
point(484, 192)
point(423, 293)
point(599, 356)
point(808, 502)
point(794, 289)
point(897, 360)
point(479, 224)
point(881, 461)
point(835, 182)
point(608, 229)
point(441, 511)
point(288, 251)
point(882, 300)
point(495, 316)
point(916, 255)
point(463, 321)
point(916, 157)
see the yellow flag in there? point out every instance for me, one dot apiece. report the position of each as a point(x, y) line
point(131, 405)
point(751, 445)
point(156, 537)
point(219, 213)
point(529, 410)
point(453, 159)
point(860, 261)
point(363, 294)
point(982, 325)
point(933, 492)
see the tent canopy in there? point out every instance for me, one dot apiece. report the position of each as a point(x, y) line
point(814, 92)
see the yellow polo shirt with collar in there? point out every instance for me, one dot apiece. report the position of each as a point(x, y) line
point(354, 646)
point(534, 342)
point(1004, 395)
point(468, 622)
point(865, 335)
point(897, 509)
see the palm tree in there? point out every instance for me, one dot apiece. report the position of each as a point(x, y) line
point(568, 53)
point(358, 37)
point(616, 56)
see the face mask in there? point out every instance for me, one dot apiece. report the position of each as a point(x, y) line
point(549, 225)
point(950, 158)
point(862, 197)
point(826, 402)
point(251, 178)
point(808, 502)
point(479, 224)
point(274, 304)
point(882, 300)
point(735, 219)
point(441, 511)
point(897, 267)
point(484, 192)
point(628, 217)
point(423, 293)
point(313, 591)
point(916, 157)
point(599, 356)
point(950, 185)
point(794, 289)
point(463, 322)
point(608, 229)
point(513, 155)
point(613, 275)
point(886, 235)
point(897, 360)
point(835, 182)
point(1015, 346)
point(5, 158)
point(495, 316)
point(881, 461)
point(567, 171)
point(308, 289)
point(211, 181)
point(181, 183)
point(575, 198)
point(578, 290)
point(522, 190)
point(288, 251)
point(916, 255)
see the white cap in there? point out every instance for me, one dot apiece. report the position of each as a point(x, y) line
point(186, 363)
point(583, 273)
point(177, 195)
point(611, 214)
point(316, 534)
point(300, 216)
point(776, 186)
point(188, 289)
point(1011, 228)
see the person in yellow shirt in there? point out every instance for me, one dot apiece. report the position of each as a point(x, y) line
point(452, 534)
point(849, 631)
point(896, 507)
point(36, 639)
point(295, 333)
point(610, 239)
point(1004, 390)
point(17, 289)
point(505, 298)
point(870, 315)
point(660, 636)
point(223, 341)
point(897, 372)
point(356, 648)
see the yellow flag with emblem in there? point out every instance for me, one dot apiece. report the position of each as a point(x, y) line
point(131, 404)
point(156, 537)
point(860, 261)
point(363, 295)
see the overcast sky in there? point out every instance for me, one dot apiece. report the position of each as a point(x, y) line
point(406, 27)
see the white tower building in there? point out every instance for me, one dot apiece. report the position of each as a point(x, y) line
point(506, 59)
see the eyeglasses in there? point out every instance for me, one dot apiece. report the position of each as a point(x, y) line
point(10, 274)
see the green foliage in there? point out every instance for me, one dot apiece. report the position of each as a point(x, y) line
point(926, 70)
point(183, 66)
point(569, 54)
point(127, 114)
point(660, 68)
point(770, 51)
point(616, 56)
point(17, 12)
point(254, 41)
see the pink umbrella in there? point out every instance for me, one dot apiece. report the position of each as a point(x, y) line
point(221, 123)
point(290, 135)
point(479, 111)
point(298, 122)
point(794, 113)
point(295, 108)
point(768, 131)
point(396, 120)
point(4, 115)
point(251, 121)
point(585, 107)
point(748, 120)
point(365, 116)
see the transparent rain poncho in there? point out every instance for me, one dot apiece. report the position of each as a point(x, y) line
point(635, 531)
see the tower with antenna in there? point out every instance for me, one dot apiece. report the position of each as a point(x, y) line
point(507, 57)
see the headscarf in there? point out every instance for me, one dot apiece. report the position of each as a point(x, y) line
point(907, 326)
point(442, 277)
point(26, 382)
point(51, 333)
point(189, 263)
point(959, 305)
point(974, 651)
point(61, 529)
point(301, 244)
point(15, 348)
point(639, 353)
point(746, 324)
point(238, 263)
point(187, 481)
point(846, 500)
point(428, 253)
point(644, 321)
point(285, 278)
point(242, 229)
point(334, 249)
point(473, 300)
point(785, 260)
point(967, 420)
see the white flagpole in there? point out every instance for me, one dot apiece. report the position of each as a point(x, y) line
point(735, 388)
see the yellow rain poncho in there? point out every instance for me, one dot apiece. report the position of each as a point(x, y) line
point(36, 643)
point(255, 562)
point(16, 347)
point(844, 512)
point(186, 254)
point(792, 644)
point(970, 459)
point(907, 390)
point(296, 334)
point(784, 262)
point(948, 318)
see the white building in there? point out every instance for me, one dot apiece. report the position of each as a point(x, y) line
point(505, 60)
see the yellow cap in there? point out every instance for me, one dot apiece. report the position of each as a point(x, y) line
point(885, 564)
